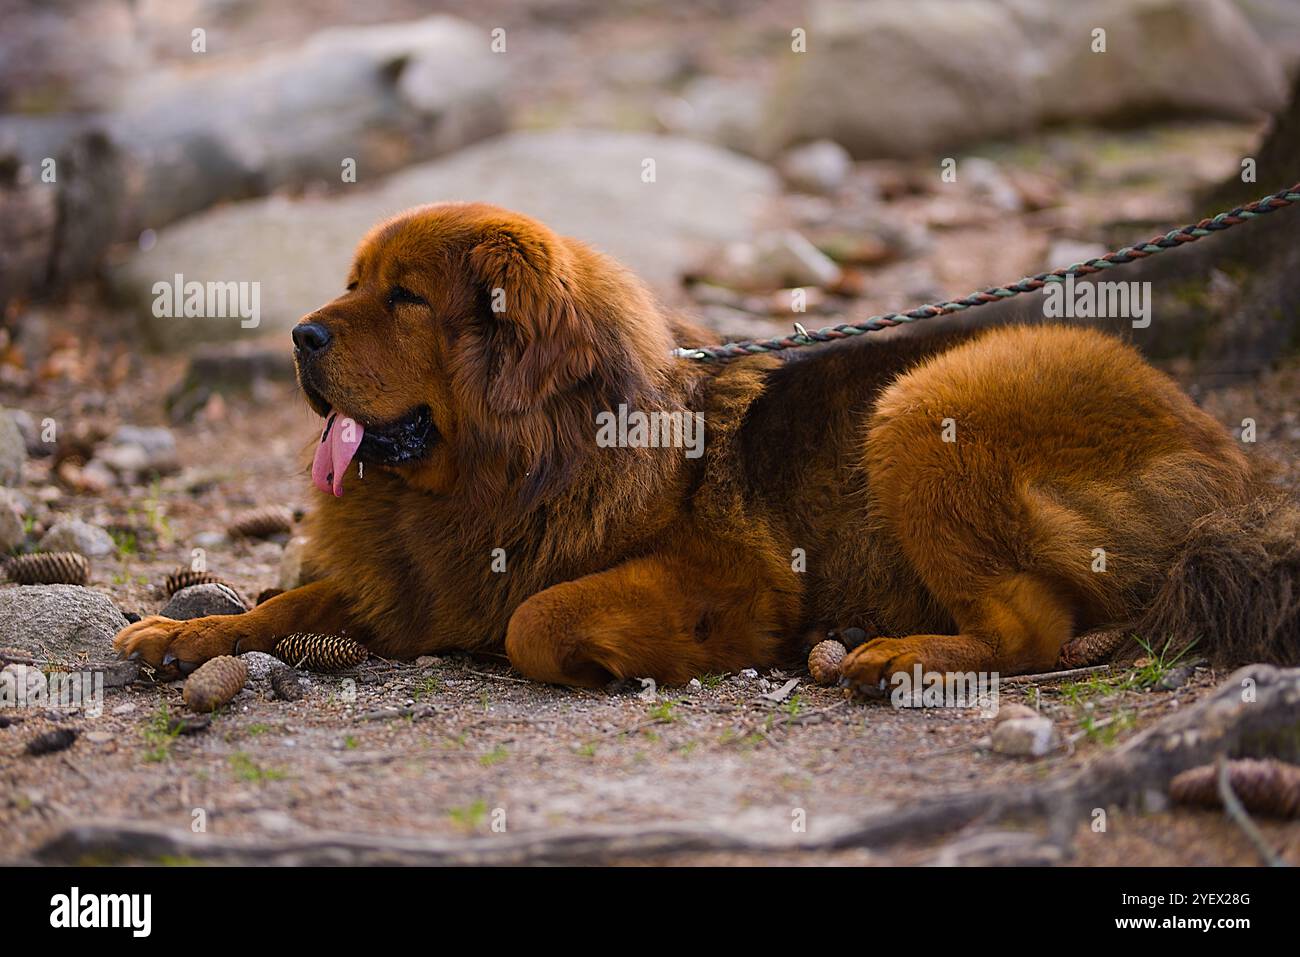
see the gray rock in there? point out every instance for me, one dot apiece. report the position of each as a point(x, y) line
point(198, 601)
point(1175, 678)
point(74, 535)
point(385, 96)
point(31, 433)
point(1277, 22)
point(133, 448)
point(820, 167)
point(26, 682)
point(1024, 737)
point(1013, 711)
point(722, 111)
point(980, 92)
point(1196, 57)
point(985, 179)
point(211, 539)
point(12, 530)
point(583, 184)
point(62, 623)
point(1007, 67)
point(67, 57)
point(118, 674)
point(260, 664)
point(775, 260)
point(13, 450)
point(1067, 252)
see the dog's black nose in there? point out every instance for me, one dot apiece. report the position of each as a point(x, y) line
point(310, 337)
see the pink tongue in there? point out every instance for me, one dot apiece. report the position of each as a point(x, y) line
point(337, 447)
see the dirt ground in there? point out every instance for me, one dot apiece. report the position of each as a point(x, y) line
point(447, 746)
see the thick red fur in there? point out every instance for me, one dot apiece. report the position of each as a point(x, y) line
point(827, 494)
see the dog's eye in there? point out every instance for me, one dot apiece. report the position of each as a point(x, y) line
point(352, 286)
point(399, 294)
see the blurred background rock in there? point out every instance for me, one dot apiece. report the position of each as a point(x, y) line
point(225, 164)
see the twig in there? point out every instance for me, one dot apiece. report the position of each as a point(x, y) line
point(492, 677)
point(1054, 675)
point(1241, 818)
point(810, 717)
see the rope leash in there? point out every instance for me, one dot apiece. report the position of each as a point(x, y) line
point(1127, 254)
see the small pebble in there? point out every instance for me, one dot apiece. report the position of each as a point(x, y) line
point(119, 674)
point(73, 535)
point(1024, 737)
point(1009, 712)
point(125, 708)
point(749, 674)
point(260, 664)
point(1176, 678)
point(26, 681)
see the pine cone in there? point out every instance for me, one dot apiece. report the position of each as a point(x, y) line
point(321, 652)
point(1263, 786)
point(824, 662)
point(262, 522)
point(285, 684)
point(215, 683)
point(1094, 648)
point(185, 577)
point(49, 568)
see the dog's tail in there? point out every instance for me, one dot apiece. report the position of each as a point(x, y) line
point(1234, 587)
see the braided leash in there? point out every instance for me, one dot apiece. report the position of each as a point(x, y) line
point(1171, 239)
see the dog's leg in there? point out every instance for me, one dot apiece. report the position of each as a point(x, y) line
point(1018, 626)
point(162, 642)
point(653, 617)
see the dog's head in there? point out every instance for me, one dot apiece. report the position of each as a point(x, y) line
point(472, 345)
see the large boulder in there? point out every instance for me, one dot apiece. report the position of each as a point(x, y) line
point(13, 449)
point(1278, 24)
point(383, 96)
point(1163, 57)
point(899, 77)
point(584, 184)
point(65, 623)
point(165, 143)
point(66, 54)
point(908, 77)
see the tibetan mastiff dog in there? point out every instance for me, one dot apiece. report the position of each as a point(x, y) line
point(971, 501)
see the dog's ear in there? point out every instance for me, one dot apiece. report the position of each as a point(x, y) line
point(542, 343)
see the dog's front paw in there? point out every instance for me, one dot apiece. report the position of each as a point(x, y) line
point(166, 644)
point(869, 667)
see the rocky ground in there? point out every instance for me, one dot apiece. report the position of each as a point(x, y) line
point(457, 747)
point(440, 747)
